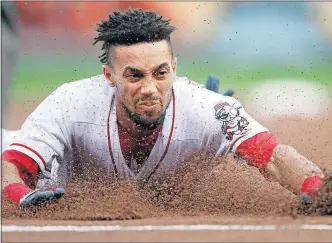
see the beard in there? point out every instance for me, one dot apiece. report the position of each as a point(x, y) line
point(144, 123)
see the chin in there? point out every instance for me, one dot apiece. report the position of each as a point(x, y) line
point(148, 119)
point(149, 115)
point(148, 122)
point(145, 118)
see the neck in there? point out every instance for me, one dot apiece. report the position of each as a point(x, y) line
point(130, 126)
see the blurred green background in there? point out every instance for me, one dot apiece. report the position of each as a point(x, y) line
point(37, 77)
point(241, 43)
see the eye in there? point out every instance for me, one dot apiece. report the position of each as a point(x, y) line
point(162, 73)
point(134, 75)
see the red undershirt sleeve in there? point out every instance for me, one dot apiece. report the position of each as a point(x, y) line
point(258, 149)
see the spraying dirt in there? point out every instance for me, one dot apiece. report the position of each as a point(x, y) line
point(201, 186)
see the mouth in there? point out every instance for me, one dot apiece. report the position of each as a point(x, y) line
point(148, 103)
point(148, 106)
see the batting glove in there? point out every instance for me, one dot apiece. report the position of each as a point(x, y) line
point(307, 199)
point(212, 83)
point(38, 197)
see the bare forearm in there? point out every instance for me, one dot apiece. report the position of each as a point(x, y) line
point(289, 168)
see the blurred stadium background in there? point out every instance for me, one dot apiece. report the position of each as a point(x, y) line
point(241, 43)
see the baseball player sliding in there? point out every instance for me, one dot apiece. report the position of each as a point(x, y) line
point(139, 119)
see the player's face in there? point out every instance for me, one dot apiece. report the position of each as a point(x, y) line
point(143, 75)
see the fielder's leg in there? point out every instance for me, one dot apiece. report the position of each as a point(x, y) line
point(212, 83)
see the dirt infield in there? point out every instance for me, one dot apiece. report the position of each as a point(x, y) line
point(233, 196)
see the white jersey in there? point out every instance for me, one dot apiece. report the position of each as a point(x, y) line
point(75, 127)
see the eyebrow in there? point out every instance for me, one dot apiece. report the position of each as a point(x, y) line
point(165, 64)
point(133, 69)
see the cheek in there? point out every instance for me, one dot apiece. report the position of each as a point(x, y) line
point(129, 92)
point(165, 90)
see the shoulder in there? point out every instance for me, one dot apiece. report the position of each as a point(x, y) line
point(192, 96)
point(85, 100)
point(197, 107)
point(85, 87)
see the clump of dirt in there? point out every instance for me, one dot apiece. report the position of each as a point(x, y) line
point(202, 185)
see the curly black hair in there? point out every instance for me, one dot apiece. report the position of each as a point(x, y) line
point(131, 27)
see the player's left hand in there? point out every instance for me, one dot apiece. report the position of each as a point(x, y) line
point(212, 83)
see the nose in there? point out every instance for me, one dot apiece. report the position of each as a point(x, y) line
point(149, 87)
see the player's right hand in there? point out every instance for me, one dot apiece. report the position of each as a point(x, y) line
point(318, 204)
point(40, 197)
point(307, 199)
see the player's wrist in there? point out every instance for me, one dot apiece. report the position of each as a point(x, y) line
point(16, 191)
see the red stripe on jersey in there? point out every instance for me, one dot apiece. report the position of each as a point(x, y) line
point(311, 185)
point(257, 150)
point(109, 138)
point(32, 150)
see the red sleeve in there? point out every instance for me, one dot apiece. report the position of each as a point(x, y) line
point(28, 168)
point(258, 149)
